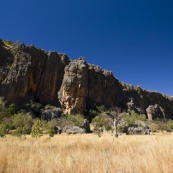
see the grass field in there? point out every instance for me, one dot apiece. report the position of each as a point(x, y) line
point(87, 153)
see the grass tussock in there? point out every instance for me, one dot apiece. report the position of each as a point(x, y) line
point(87, 154)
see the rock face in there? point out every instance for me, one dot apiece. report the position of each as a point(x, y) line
point(31, 74)
point(28, 73)
point(74, 89)
point(85, 85)
point(154, 111)
point(142, 99)
point(14, 85)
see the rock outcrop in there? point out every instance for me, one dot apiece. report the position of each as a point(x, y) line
point(73, 130)
point(31, 74)
point(51, 114)
point(154, 111)
point(138, 131)
point(28, 73)
point(74, 88)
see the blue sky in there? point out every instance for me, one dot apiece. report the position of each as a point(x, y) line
point(134, 39)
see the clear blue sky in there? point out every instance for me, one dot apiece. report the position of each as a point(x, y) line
point(132, 38)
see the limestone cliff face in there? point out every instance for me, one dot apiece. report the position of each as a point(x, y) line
point(29, 73)
point(87, 85)
point(103, 87)
point(74, 89)
point(15, 84)
point(142, 99)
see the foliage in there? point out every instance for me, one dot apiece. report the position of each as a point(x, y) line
point(35, 107)
point(92, 114)
point(3, 130)
point(5, 118)
point(12, 109)
point(130, 119)
point(100, 122)
point(73, 120)
point(8, 122)
point(49, 106)
point(170, 125)
point(4, 114)
point(101, 108)
point(23, 123)
point(9, 43)
point(36, 129)
point(162, 126)
point(120, 129)
point(76, 119)
point(18, 132)
point(50, 129)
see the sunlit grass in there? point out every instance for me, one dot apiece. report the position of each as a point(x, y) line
point(87, 153)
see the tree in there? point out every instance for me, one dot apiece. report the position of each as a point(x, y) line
point(99, 122)
point(50, 129)
point(36, 129)
point(4, 114)
point(170, 125)
point(3, 130)
point(23, 123)
point(12, 109)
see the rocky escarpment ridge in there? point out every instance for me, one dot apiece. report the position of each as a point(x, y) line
point(29, 73)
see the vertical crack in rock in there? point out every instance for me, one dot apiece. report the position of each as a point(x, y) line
point(41, 76)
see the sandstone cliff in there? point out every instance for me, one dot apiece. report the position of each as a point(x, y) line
point(28, 73)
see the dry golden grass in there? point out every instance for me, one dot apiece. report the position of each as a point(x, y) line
point(87, 154)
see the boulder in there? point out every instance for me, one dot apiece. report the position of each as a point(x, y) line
point(58, 130)
point(73, 130)
point(85, 125)
point(137, 130)
point(51, 114)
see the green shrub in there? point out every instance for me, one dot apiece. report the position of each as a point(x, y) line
point(48, 106)
point(4, 114)
point(162, 126)
point(35, 107)
point(76, 119)
point(36, 129)
point(3, 130)
point(99, 122)
point(101, 108)
point(120, 129)
point(9, 43)
point(23, 122)
point(18, 132)
point(93, 113)
point(12, 109)
point(130, 119)
point(73, 120)
point(50, 129)
point(170, 125)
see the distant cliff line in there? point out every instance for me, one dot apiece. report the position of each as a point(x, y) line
point(29, 73)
